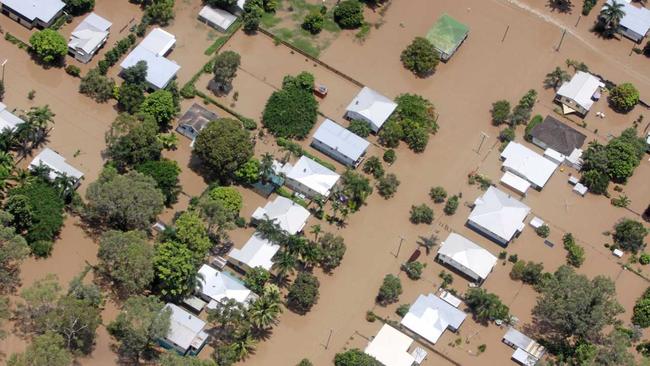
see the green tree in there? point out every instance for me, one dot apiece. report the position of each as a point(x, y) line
point(596, 181)
point(249, 173)
point(623, 97)
point(12, 252)
point(373, 166)
point(420, 57)
point(224, 145)
point(136, 74)
point(160, 11)
point(572, 307)
point(20, 208)
point(521, 112)
point(305, 362)
point(355, 357)
point(313, 23)
point(165, 172)
point(229, 198)
point(303, 293)
point(252, 17)
point(413, 269)
point(127, 259)
point(47, 349)
point(223, 4)
point(348, 14)
point(174, 270)
point(390, 290)
point(360, 128)
point(171, 358)
point(48, 45)
point(79, 7)
point(438, 194)
point(332, 250)
point(356, 188)
point(191, 231)
point(291, 111)
point(421, 214)
point(160, 105)
point(555, 78)
point(141, 323)
point(46, 206)
point(641, 312)
point(485, 306)
point(452, 205)
point(611, 14)
point(256, 278)
point(527, 272)
point(97, 86)
point(132, 140)
point(225, 69)
point(76, 320)
point(629, 235)
point(500, 112)
point(575, 253)
point(130, 97)
point(264, 312)
point(125, 202)
point(387, 185)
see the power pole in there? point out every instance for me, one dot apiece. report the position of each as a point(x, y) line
point(505, 33)
point(399, 247)
point(484, 136)
point(3, 70)
point(561, 39)
point(328, 339)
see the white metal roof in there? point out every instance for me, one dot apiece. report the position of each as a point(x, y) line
point(636, 19)
point(390, 347)
point(341, 140)
point(8, 120)
point(430, 316)
point(499, 213)
point(468, 254)
point(90, 33)
point(518, 184)
point(528, 164)
point(313, 175)
point(289, 215)
point(257, 252)
point(523, 342)
point(220, 286)
point(56, 163)
point(152, 50)
point(373, 106)
point(217, 16)
point(581, 89)
point(44, 10)
point(185, 330)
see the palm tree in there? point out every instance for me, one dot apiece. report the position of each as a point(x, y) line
point(7, 139)
point(264, 312)
point(66, 185)
point(266, 167)
point(284, 263)
point(39, 119)
point(555, 78)
point(428, 242)
point(315, 229)
point(41, 171)
point(310, 255)
point(611, 14)
point(243, 344)
point(270, 230)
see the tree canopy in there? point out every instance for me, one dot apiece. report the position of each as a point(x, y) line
point(355, 357)
point(78, 7)
point(175, 270)
point(12, 251)
point(48, 45)
point(224, 145)
point(629, 235)
point(45, 205)
point(485, 306)
point(47, 349)
point(225, 69)
point(97, 86)
point(420, 57)
point(159, 105)
point(127, 259)
point(132, 140)
point(412, 122)
point(291, 111)
point(165, 172)
point(624, 97)
point(348, 14)
point(303, 293)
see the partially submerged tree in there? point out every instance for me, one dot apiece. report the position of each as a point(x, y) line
point(420, 57)
point(348, 14)
point(127, 259)
point(224, 145)
point(132, 141)
point(48, 45)
point(225, 69)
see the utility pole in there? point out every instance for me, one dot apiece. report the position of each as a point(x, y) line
point(3, 70)
point(505, 33)
point(399, 247)
point(328, 339)
point(578, 22)
point(561, 39)
point(484, 136)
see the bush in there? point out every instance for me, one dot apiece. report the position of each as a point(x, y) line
point(537, 119)
point(79, 7)
point(413, 269)
point(438, 194)
point(644, 258)
point(575, 253)
point(97, 86)
point(543, 231)
point(629, 235)
point(42, 248)
point(313, 23)
point(355, 357)
point(48, 45)
point(390, 290)
point(506, 135)
point(623, 97)
point(303, 293)
point(447, 278)
point(348, 14)
point(641, 312)
point(421, 214)
point(73, 70)
point(360, 128)
point(587, 5)
point(530, 272)
point(413, 120)
point(521, 112)
point(390, 156)
point(500, 112)
point(387, 185)
point(291, 112)
point(452, 205)
point(402, 310)
point(305, 362)
point(420, 57)
point(373, 166)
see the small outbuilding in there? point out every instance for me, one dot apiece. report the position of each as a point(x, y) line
point(527, 164)
point(256, 252)
point(33, 13)
point(311, 179)
point(446, 35)
point(498, 216)
point(390, 347)
point(340, 144)
point(57, 166)
point(217, 286)
point(8, 120)
point(187, 333)
point(152, 50)
point(88, 37)
point(290, 216)
point(430, 316)
point(193, 121)
point(527, 351)
point(216, 18)
point(467, 257)
point(579, 94)
point(371, 107)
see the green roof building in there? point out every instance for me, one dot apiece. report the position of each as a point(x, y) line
point(446, 35)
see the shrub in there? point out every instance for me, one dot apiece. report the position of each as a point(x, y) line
point(413, 269)
point(641, 312)
point(644, 258)
point(623, 97)
point(73, 70)
point(305, 362)
point(521, 112)
point(79, 7)
point(500, 112)
point(360, 128)
point(575, 253)
point(303, 293)
point(438, 194)
point(390, 156)
point(373, 166)
point(370, 316)
point(355, 357)
point(537, 119)
point(313, 23)
point(587, 5)
point(291, 111)
point(507, 134)
point(420, 57)
point(402, 310)
point(530, 272)
point(97, 86)
point(543, 231)
point(452, 205)
point(387, 185)
point(447, 278)
point(413, 120)
point(421, 214)
point(42, 248)
point(48, 45)
point(390, 290)
point(629, 235)
point(348, 14)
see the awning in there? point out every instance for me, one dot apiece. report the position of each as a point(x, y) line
point(567, 110)
point(518, 184)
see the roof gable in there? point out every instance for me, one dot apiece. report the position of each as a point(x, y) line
point(558, 136)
